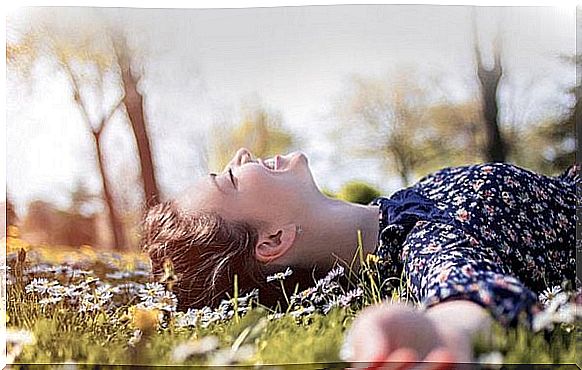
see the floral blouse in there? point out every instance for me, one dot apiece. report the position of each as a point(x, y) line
point(492, 233)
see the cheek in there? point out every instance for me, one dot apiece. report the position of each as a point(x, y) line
point(264, 188)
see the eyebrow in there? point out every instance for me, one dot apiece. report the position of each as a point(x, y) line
point(213, 178)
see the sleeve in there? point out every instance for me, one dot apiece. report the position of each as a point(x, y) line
point(442, 262)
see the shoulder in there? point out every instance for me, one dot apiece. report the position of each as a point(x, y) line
point(487, 169)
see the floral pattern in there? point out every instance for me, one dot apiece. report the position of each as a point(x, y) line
point(493, 233)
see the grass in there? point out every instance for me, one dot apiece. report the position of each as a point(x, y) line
point(97, 308)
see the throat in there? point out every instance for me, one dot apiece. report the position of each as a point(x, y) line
point(343, 222)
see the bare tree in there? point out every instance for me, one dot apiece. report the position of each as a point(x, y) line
point(134, 105)
point(77, 61)
point(495, 149)
point(113, 56)
point(97, 128)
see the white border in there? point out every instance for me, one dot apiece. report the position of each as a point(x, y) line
point(278, 3)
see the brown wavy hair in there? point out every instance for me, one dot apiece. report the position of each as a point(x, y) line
point(206, 252)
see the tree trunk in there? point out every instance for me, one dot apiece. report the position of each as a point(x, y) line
point(114, 219)
point(495, 147)
point(495, 150)
point(133, 101)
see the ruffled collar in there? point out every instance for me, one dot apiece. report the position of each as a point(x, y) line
point(398, 214)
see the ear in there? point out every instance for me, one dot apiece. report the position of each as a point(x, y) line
point(272, 244)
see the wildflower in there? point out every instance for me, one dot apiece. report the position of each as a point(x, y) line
point(566, 313)
point(332, 274)
point(302, 295)
point(335, 272)
point(50, 300)
point(548, 295)
point(57, 291)
point(41, 268)
point(147, 305)
point(90, 280)
point(103, 291)
point(331, 288)
point(79, 273)
point(75, 291)
point(189, 318)
point(40, 285)
point(194, 348)
point(131, 288)
point(117, 275)
point(318, 295)
point(302, 311)
point(331, 304)
point(17, 339)
point(60, 269)
point(135, 339)
point(347, 298)
point(247, 298)
point(19, 336)
point(167, 302)
point(89, 303)
point(280, 275)
point(209, 316)
point(151, 291)
point(557, 301)
point(275, 316)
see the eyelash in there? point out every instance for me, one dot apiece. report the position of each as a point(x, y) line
point(231, 176)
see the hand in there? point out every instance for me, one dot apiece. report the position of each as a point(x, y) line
point(394, 336)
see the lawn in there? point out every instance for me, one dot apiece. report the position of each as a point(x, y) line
point(87, 306)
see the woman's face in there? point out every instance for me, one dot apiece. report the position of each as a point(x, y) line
point(247, 189)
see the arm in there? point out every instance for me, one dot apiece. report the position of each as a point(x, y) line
point(463, 287)
point(444, 263)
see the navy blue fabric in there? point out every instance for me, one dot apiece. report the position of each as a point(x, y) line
point(492, 233)
point(407, 206)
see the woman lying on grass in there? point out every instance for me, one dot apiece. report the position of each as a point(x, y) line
point(477, 243)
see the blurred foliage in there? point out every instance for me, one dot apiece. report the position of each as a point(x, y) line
point(412, 130)
point(261, 131)
point(549, 146)
point(356, 191)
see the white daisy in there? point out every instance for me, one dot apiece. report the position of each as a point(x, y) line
point(549, 294)
point(40, 285)
point(280, 275)
point(151, 291)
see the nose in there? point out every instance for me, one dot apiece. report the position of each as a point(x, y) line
point(242, 156)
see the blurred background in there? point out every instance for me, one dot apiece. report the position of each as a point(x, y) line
point(110, 110)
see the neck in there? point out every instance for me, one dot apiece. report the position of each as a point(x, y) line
point(331, 232)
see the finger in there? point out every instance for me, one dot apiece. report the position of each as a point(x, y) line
point(438, 359)
point(400, 359)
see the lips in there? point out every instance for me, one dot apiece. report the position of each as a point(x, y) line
point(276, 164)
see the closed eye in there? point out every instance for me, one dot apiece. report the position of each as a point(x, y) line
point(232, 177)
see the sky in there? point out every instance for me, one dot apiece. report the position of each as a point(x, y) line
point(202, 65)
